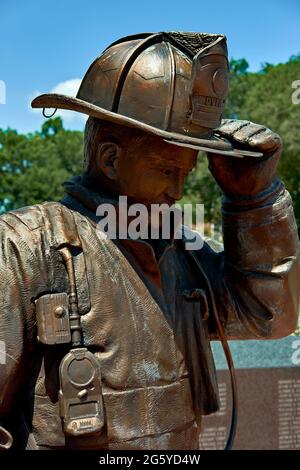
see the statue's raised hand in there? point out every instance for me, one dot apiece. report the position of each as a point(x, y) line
point(246, 176)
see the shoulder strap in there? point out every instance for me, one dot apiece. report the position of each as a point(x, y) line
point(61, 231)
point(60, 225)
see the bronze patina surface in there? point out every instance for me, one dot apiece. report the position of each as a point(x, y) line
point(108, 341)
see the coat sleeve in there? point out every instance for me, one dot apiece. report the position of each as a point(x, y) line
point(20, 277)
point(256, 279)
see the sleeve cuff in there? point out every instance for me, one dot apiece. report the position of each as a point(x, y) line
point(265, 198)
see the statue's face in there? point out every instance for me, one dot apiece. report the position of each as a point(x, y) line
point(155, 172)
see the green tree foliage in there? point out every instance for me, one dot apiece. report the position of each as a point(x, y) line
point(201, 188)
point(33, 166)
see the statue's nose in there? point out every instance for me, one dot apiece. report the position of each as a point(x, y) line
point(175, 188)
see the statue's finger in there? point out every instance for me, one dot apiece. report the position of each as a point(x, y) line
point(243, 134)
point(265, 141)
point(230, 126)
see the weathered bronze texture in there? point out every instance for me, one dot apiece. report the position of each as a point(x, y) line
point(146, 306)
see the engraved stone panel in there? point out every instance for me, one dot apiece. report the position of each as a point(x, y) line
point(268, 378)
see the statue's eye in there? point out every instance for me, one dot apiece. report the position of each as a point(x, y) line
point(167, 172)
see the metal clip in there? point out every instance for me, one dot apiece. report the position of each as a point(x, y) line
point(198, 295)
point(50, 115)
point(6, 439)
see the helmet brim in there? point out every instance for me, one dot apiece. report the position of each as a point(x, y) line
point(215, 144)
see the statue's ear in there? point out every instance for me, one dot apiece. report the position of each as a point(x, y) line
point(108, 159)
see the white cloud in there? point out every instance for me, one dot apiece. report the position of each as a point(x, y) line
point(69, 88)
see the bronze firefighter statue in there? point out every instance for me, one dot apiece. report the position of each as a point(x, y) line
point(107, 341)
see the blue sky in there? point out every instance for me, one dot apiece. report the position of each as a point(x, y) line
point(47, 45)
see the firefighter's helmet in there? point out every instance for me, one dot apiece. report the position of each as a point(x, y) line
point(172, 85)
